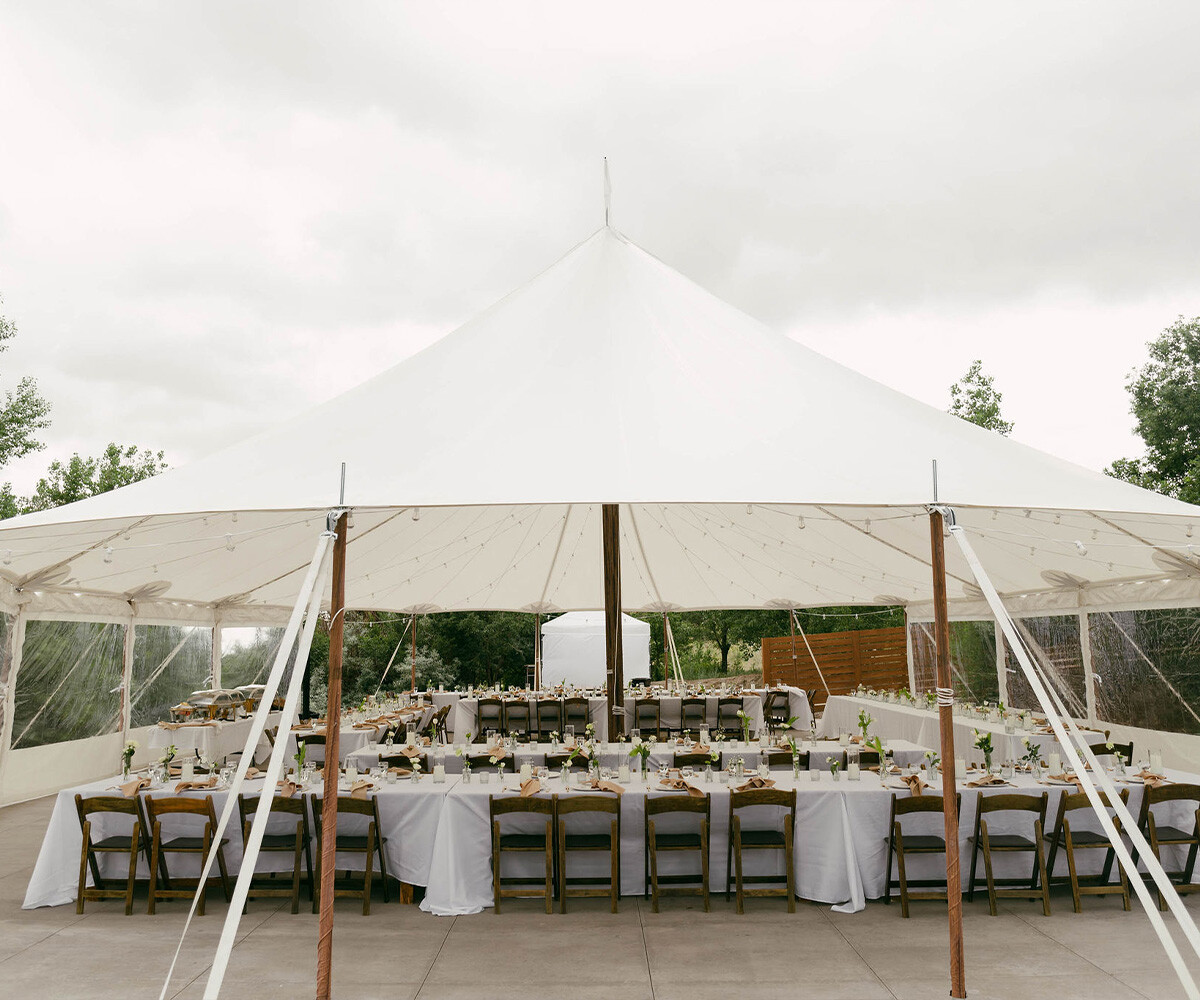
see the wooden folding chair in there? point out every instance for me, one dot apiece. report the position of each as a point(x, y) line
point(294, 842)
point(521, 843)
point(683, 885)
point(606, 803)
point(647, 717)
point(1073, 840)
point(131, 843)
point(1010, 843)
point(170, 807)
point(1165, 835)
point(761, 839)
point(899, 846)
point(367, 845)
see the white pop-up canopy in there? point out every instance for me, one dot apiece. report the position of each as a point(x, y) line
point(751, 471)
point(573, 649)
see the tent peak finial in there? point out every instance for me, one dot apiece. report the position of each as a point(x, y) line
point(607, 193)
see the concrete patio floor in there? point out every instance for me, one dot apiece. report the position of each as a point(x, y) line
point(682, 953)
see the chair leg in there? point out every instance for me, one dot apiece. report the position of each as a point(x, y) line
point(133, 860)
point(224, 870)
point(737, 859)
point(154, 853)
point(652, 861)
point(495, 866)
point(372, 843)
point(1162, 900)
point(974, 866)
point(83, 864)
point(704, 862)
point(729, 862)
point(901, 873)
point(1041, 864)
point(203, 889)
point(987, 868)
point(891, 850)
point(562, 874)
point(615, 865)
point(562, 866)
point(296, 870)
point(788, 857)
point(1071, 870)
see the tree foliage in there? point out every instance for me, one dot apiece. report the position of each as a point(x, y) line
point(1165, 400)
point(24, 411)
point(80, 478)
point(976, 399)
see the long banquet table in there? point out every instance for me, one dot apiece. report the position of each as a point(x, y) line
point(438, 837)
point(214, 740)
point(920, 725)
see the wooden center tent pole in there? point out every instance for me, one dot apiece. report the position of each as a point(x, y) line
point(333, 722)
point(945, 684)
point(614, 653)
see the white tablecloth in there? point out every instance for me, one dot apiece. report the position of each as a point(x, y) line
point(920, 725)
point(214, 741)
point(349, 740)
point(408, 813)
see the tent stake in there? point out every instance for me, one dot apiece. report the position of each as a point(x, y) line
point(614, 650)
point(958, 982)
point(333, 721)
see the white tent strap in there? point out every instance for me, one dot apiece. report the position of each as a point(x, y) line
point(800, 628)
point(257, 726)
point(1062, 723)
point(262, 814)
point(395, 653)
point(1153, 666)
point(1049, 672)
point(954, 671)
point(669, 637)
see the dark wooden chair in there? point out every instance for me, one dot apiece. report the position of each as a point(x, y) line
point(295, 842)
point(483, 762)
point(532, 842)
point(777, 710)
point(577, 712)
point(489, 715)
point(436, 723)
point(727, 717)
point(695, 760)
point(158, 809)
point(367, 844)
point(761, 839)
point(1010, 843)
point(549, 713)
point(693, 713)
point(610, 842)
point(684, 885)
point(314, 747)
point(403, 761)
point(868, 758)
point(554, 761)
point(647, 717)
point(131, 843)
point(517, 719)
point(781, 760)
point(1072, 840)
point(900, 846)
point(1124, 749)
point(1165, 835)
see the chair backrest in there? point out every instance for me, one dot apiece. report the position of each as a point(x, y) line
point(868, 758)
point(1013, 802)
point(350, 806)
point(248, 806)
point(777, 705)
point(646, 712)
point(576, 712)
point(695, 759)
point(1124, 749)
point(693, 712)
point(489, 714)
point(483, 762)
point(672, 803)
point(752, 797)
point(599, 803)
point(549, 714)
point(516, 715)
point(727, 712)
point(105, 804)
point(781, 760)
point(313, 740)
point(158, 807)
point(556, 760)
point(505, 804)
point(438, 719)
point(904, 805)
point(404, 761)
point(1181, 792)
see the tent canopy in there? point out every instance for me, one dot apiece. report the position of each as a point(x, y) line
point(574, 650)
point(750, 471)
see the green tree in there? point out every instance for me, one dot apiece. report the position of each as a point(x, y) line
point(726, 629)
point(1165, 400)
point(976, 399)
point(80, 478)
point(24, 411)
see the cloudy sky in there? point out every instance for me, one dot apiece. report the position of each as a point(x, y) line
point(213, 215)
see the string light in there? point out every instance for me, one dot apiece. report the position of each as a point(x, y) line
point(416, 513)
point(1081, 547)
point(108, 554)
point(229, 543)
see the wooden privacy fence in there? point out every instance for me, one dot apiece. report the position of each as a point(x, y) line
point(874, 657)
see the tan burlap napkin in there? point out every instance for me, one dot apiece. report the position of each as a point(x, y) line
point(986, 780)
point(288, 788)
point(530, 787)
point(679, 785)
point(252, 772)
point(360, 788)
point(754, 781)
point(701, 748)
point(411, 752)
point(197, 785)
point(914, 782)
point(131, 788)
point(604, 785)
point(366, 725)
point(1152, 780)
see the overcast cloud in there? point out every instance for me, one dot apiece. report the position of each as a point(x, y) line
point(214, 215)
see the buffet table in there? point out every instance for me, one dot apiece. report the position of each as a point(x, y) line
point(214, 740)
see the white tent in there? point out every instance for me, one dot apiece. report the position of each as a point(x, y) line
point(573, 648)
point(693, 441)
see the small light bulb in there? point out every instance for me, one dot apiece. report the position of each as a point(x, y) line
point(8, 557)
point(416, 513)
point(800, 523)
point(1081, 547)
point(108, 554)
point(229, 543)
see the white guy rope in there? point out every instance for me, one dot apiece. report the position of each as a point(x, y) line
point(1138, 649)
point(1061, 724)
point(262, 813)
point(256, 730)
point(810, 652)
point(395, 652)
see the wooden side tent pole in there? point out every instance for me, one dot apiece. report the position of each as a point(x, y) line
point(537, 651)
point(413, 686)
point(333, 722)
point(614, 653)
point(945, 684)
